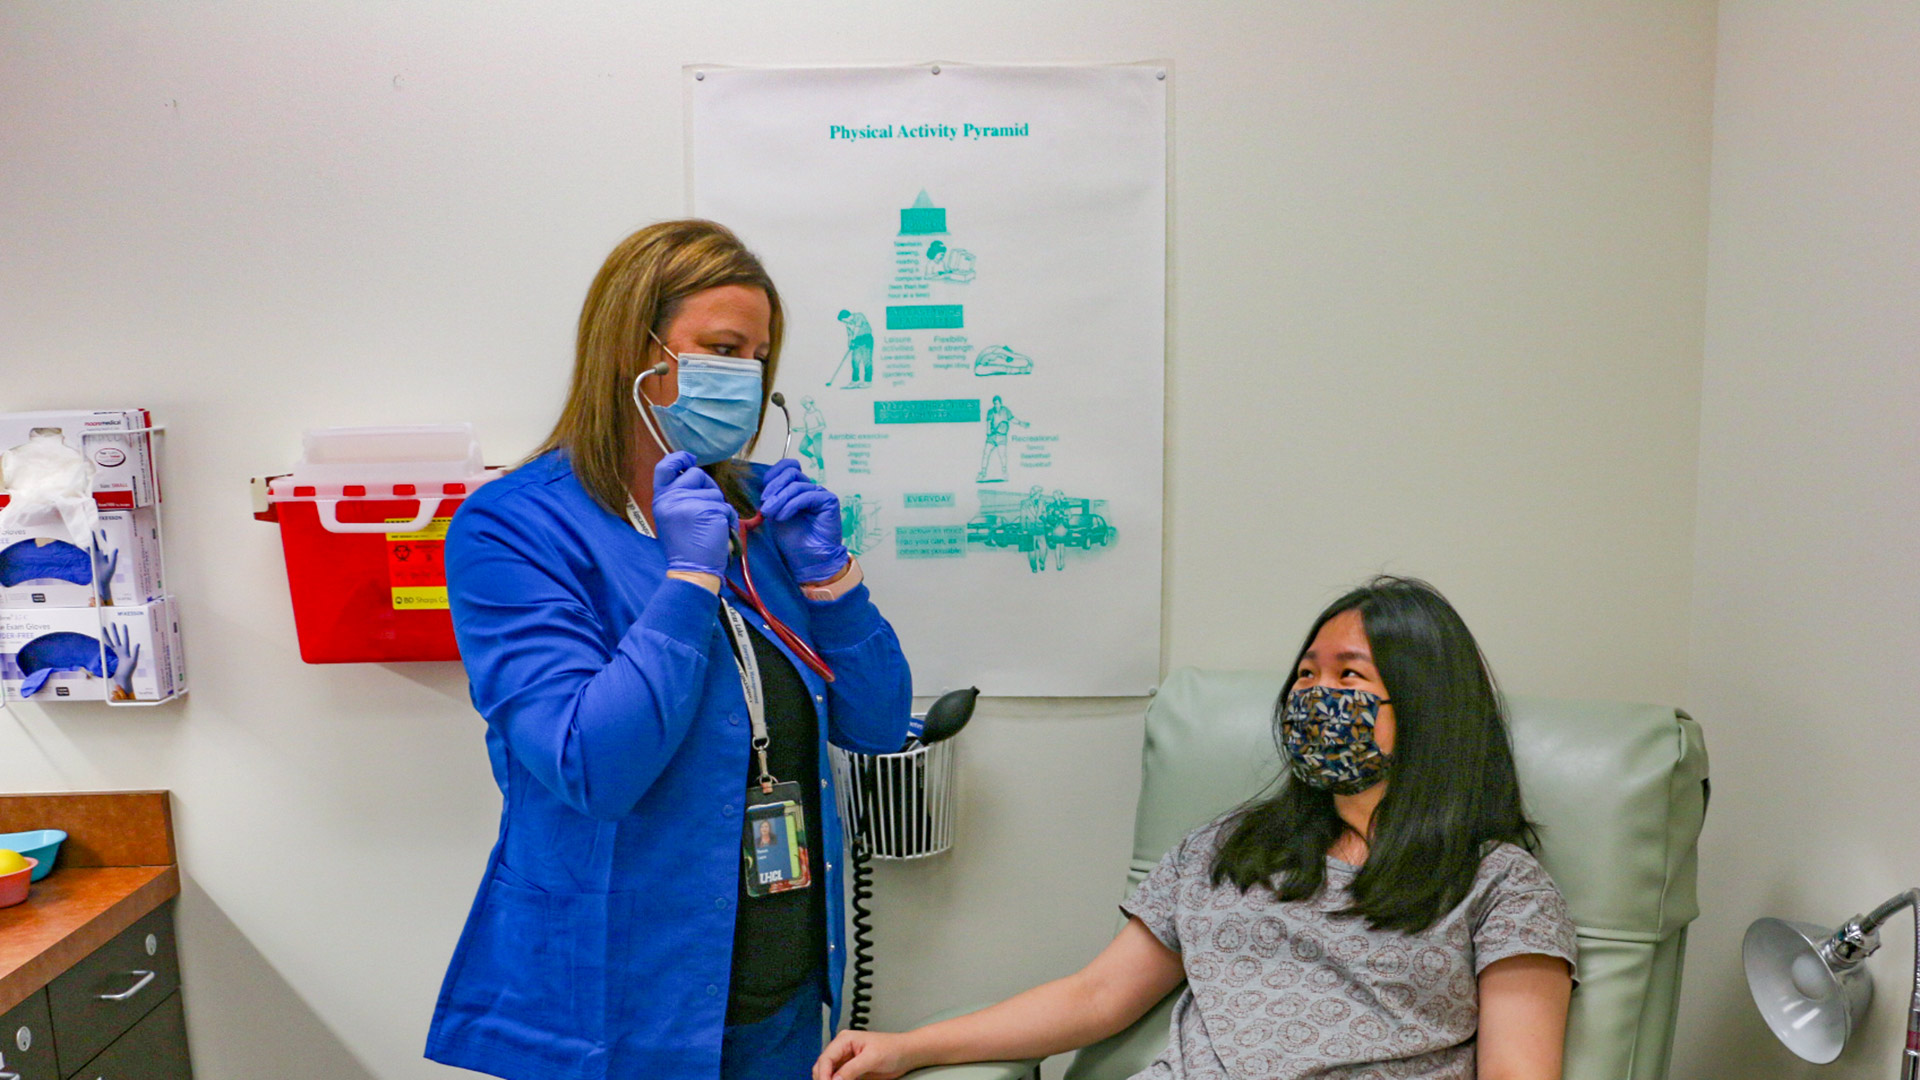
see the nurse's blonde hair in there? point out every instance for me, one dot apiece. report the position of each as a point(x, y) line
point(640, 288)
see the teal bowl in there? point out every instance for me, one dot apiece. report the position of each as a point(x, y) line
point(41, 844)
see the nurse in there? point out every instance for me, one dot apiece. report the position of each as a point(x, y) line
point(664, 898)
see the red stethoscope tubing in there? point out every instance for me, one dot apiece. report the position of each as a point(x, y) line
point(752, 596)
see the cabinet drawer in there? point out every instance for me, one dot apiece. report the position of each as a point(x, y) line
point(102, 996)
point(26, 1041)
point(155, 1049)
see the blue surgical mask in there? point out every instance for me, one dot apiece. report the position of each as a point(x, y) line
point(1328, 732)
point(718, 409)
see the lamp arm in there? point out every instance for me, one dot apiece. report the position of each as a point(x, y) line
point(1891, 908)
point(1857, 939)
point(1910, 1061)
point(1864, 929)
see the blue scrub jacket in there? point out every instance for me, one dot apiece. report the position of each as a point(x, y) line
point(602, 936)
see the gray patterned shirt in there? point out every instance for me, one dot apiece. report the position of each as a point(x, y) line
point(1288, 991)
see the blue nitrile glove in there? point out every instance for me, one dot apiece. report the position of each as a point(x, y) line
point(691, 515)
point(126, 661)
point(104, 564)
point(63, 650)
point(35, 559)
point(805, 520)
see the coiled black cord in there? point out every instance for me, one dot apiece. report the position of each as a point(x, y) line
point(859, 998)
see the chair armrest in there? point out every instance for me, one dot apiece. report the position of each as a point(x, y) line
point(1132, 1050)
point(974, 1070)
point(978, 1070)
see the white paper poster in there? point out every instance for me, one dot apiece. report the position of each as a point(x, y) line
point(972, 263)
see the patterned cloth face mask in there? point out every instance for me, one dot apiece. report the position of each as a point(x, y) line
point(1328, 735)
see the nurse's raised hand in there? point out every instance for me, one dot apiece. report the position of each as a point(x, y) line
point(805, 520)
point(692, 516)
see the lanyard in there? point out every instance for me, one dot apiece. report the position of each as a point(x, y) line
point(638, 519)
point(744, 660)
point(751, 687)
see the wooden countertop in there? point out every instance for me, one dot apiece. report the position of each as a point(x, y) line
point(117, 865)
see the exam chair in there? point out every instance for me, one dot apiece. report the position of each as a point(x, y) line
point(1618, 791)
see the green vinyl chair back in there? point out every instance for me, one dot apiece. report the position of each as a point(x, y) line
point(1618, 792)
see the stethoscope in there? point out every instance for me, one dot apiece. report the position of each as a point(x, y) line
point(745, 589)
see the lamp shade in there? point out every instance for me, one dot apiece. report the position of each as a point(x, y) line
point(1811, 1007)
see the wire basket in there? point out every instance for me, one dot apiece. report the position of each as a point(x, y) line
point(900, 806)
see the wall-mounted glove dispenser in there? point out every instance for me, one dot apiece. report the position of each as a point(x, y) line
point(84, 611)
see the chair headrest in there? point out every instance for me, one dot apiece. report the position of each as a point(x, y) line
point(1616, 789)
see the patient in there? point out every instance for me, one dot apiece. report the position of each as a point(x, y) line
point(1379, 916)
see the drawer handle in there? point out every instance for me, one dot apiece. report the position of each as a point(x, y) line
point(145, 978)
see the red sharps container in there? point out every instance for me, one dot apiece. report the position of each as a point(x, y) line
point(363, 521)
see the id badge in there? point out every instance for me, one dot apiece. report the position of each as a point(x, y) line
point(775, 845)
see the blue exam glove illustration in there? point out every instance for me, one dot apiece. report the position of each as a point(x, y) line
point(123, 656)
point(104, 563)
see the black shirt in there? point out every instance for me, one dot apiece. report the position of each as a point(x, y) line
point(780, 941)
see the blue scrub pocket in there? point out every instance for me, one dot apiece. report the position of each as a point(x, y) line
point(534, 973)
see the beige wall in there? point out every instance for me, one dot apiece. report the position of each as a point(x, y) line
point(1806, 616)
point(1439, 279)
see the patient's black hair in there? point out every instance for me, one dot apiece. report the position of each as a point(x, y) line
point(1452, 791)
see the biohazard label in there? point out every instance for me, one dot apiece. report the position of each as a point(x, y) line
point(416, 566)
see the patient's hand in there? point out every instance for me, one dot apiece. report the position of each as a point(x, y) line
point(875, 1055)
point(1123, 982)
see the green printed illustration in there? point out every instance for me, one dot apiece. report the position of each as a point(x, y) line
point(950, 264)
point(926, 317)
point(949, 352)
point(993, 457)
point(930, 542)
point(855, 450)
point(859, 525)
point(859, 351)
point(928, 411)
point(812, 430)
point(896, 359)
point(923, 218)
point(1001, 360)
point(1038, 524)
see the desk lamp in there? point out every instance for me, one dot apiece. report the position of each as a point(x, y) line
point(1812, 986)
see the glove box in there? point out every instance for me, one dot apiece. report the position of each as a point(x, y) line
point(41, 565)
point(121, 655)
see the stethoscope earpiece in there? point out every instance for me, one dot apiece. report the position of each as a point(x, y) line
point(780, 402)
point(646, 417)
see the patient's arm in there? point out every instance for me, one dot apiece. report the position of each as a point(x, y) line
point(1129, 977)
point(1523, 1017)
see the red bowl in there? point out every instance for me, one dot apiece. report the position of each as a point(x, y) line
point(13, 887)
